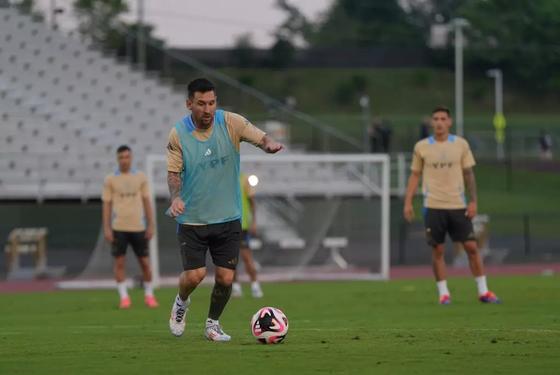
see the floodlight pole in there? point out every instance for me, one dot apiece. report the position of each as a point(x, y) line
point(53, 11)
point(140, 42)
point(458, 24)
point(498, 108)
point(498, 89)
point(366, 114)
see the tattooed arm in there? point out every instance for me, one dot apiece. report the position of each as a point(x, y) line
point(470, 183)
point(174, 183)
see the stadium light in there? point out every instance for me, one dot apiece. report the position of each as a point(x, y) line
point(253, 180)
point(458, 25)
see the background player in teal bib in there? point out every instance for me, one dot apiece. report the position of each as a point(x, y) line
point(203, 179)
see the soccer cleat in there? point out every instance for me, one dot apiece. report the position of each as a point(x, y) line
point(178, 317)
point(489, 297)
point(236, 290)
point(256, 291)
point(125, 303)
point(151, 301)
point(214, 332)
point(445, 300)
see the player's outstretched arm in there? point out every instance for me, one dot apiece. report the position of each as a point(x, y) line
point(470, 183)
point(270, 146)
point(174, 183)
point(408, 210)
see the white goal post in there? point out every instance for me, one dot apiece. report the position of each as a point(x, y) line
point(314, 191)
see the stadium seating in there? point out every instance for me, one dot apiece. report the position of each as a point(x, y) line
point(65, 107)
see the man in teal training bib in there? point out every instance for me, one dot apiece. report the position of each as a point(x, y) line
point(203, 180)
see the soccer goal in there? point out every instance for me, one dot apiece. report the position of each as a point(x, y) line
point(319, 217)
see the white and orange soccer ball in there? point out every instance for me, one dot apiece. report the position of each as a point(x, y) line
point(269, 325)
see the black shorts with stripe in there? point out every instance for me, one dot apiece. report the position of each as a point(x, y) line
point(222, 240)
point(439, 222)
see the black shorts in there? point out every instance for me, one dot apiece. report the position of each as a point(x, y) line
point(221, 239)
point(439, 222)
point(245, 238)
point(136, 240)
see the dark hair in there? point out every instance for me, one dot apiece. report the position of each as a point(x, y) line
point(199, 85)
point(441, 108)
point(123, 148)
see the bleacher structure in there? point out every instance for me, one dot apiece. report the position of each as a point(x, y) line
point(64, 108)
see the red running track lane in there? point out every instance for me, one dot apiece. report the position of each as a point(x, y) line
point(27, 286)
point(413, 272)
point(397, 272)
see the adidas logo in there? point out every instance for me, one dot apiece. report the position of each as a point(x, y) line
point(208, 152)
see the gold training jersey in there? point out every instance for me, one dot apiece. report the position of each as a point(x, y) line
point(442, 165)
point(125, 192)
point(239, 129)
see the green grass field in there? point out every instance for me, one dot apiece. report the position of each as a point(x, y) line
point(339, 328)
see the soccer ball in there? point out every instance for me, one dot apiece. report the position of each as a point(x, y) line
point(269, 325)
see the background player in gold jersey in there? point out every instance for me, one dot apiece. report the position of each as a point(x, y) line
point(446, 164)
point(128, 220)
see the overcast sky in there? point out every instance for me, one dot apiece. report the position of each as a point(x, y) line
point(209, 23)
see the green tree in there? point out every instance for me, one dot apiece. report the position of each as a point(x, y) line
point(281, 54)
point(99, 19)
point(296, 28)
point(521, 37)
point(243, 52)
point(28, 7)
point(363, 23)
point(426, 13)
point(288, 34)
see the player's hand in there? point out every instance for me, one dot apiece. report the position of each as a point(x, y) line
point(149, 232)
point(472, 210)
point(408, 212)
point(177, 207)
point(273, 147)
point(108, 234)
point(270, 146)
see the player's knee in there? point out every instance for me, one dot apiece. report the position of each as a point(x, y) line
point(145, 263)
point(437, 252)
point(193, 277)
point(245, 255)
point(471, 248)
point(119, 262)
point(225, 278)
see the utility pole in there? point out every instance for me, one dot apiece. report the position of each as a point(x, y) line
point(140, 40)
point(458, 24)
point(366, 116)
point(499, 118)
point(53, 12)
